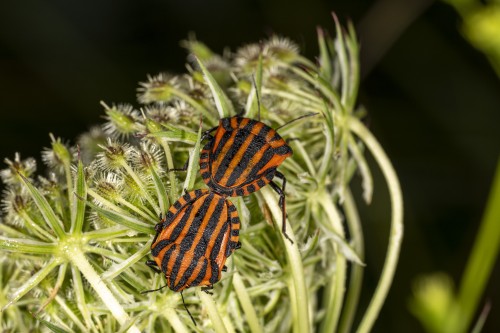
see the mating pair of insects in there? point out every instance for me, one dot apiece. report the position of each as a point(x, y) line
point(201, 229)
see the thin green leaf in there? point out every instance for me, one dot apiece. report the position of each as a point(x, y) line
point(175, 135)
point(334, 292)
point(70, 314)
point(106, 233)
point(366, 175)
point(23, 245)
point(478, 326)
point(324, 86)
point(198, 49)
point(9, 231)
point(81, 191)
point(122, 219)
point(343, 60)
point(43, 205)
point(33, 281)
point(297, 288)
point(327, 160)
point(483, 256)
point(79, 293)
point(117, 269)
point(346, 249)
point(396, 232)
point(325, 61)
point(127, 325)
point(353, 50)
point(54, 328)
point(213, 311)
point(161, 191)
point(246, 304)
point(192, 169)
point(254, 98)
point(356, 277)
point(224, 106)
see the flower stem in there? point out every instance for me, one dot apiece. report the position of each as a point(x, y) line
point(174, 320)
point(198, 106)
point(32, 282)
point(356, 278)
point(171, 174)
point(139, 183)
point(299, 292)
point(336, 287)
point(78, 259)
point(396, 232)
point(481, 260)
point(212, 310)
point(246, 304)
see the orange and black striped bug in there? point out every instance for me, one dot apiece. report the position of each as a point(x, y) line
point(242, 156)
point(193, 241)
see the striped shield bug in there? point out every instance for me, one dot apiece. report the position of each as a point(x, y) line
point(242, 156)
point(193, 241)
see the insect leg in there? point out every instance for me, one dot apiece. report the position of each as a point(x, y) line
point(282, 201)
point(184, 167)
point(207, 134)
point(208, 289)
point(152, 290)
point(153, 265)
point(187, 310)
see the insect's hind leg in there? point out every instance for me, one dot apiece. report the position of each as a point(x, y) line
point(282, 201)
point(184, 167)
point(153, 265)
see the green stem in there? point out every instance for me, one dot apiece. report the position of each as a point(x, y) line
point(117, 269)
point(79, 293)
point(60, 279)
point(212, 310)
point(106, 203)
point(139, 183)
point(204, 111)
point(161, 190)
point(102, 235)
point(35, 228)
point(77, 257)
point(22, 245)
point(63, 303)
point(396, 232)
point(136, 209)
point(482, 258)
point(298, 288)
point(305, 157)
point(69, 184)
point(171, 175)
point(174, 320)
point(49, 216)
point(324, 87)
point(33, 281)
point(292, 97)
point(356, 278)
point(336, 287)
point(364, 170)
point(11, 232)
point(78, 206)
point(246, 304)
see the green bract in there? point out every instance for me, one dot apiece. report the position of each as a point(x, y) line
point(76, 241)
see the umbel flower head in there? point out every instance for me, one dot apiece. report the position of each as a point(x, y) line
point(74, 243)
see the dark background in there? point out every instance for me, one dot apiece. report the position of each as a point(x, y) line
point(433, 101)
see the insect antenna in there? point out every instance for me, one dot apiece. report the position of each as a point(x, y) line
point(152, 290)
point(185, 307)
point(298, 118)
point(257, 96)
